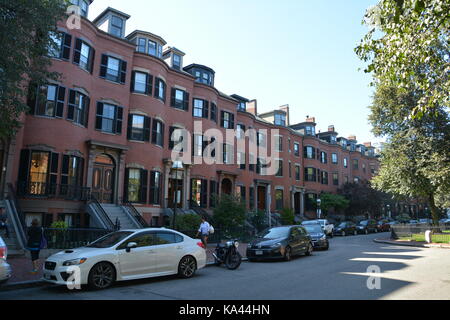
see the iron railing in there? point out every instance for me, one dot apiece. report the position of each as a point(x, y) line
point(71, 238)
point(104, 216)
point(136, 215)
point(50, 190)
point(17, 215)
point(416, 232)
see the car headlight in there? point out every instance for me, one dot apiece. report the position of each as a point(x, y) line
point(74, 262)
point(236, 244)
point(276, 245)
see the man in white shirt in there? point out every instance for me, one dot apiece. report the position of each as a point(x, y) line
point(204, 231)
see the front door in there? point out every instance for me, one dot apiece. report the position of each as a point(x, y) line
point(175, 192)
point(103, 179)
point(297, 202)
point(262, 198)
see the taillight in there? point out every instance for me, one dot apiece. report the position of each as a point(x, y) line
point(201, 245)
point(3, 252)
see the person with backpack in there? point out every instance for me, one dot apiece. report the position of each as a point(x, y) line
point(204, 230)
point(35, 243)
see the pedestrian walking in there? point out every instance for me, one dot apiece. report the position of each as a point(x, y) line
point(204, 230)
point(35, 237)
point(4, 225)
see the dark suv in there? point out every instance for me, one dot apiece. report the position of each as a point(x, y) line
point(367, 226)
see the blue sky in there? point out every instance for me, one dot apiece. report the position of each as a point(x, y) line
point(296, 52)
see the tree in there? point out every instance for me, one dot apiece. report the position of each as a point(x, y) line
point(258, 219)
point(336, 201)
point(25, 29)
point(229, 212)
point(363, 199)
point(287, 216)
point(188, 222)
point(407, 47)
point(416, 160)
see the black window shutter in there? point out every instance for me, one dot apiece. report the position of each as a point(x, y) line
point(222, 118)
point(67, 43)
point(125, 184)
point(91, 59)
point(71, 105)
point(162, 134)
point(147, 123)
point(204, 194)
point(186, 101)
point(214, 112)
point(99, 117)
point(65, 170)
point(61, 97)
point(172, 97)
point(133, 75)
point(152, 188)
point(212, 193)
point(231, 121)
point(103, 65)
point(32, 97)
point(86, 111)
point(53, 173)
point(171, 142)
point(119, 119)
point(156, 91)
point(130, 125)
point(164, 91)
point(154, 132)
point(77, 51)
point(149, 84)
point(24, 166)
point(205, 109)
point(305, 152)
point(144, 186)
point(123, 71)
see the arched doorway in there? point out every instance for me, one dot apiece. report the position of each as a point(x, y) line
point(103, 177)
point(227, 186)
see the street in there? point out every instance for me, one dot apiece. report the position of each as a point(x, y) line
point(340, 273)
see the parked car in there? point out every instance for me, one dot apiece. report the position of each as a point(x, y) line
point(280, 243)
point(5, 268)
point(326, 225)
point(391, 223)
point(425, 221)
point(345, 228)
point(367, 226)
point(383, 226)
point(413, 221)
point(128, 255)
point(318, 237)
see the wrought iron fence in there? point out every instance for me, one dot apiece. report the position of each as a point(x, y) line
point(416, 232)
point(50, 190)
point(71, 238)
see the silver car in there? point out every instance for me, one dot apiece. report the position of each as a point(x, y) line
point(5, 268)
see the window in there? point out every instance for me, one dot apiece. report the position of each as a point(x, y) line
point(227, 120)
point(176, 61)
point(71, 176)
point(251, 162)
point(138, 127)
point(324, 177)
point(84, 6)
point(241, 193)
point(134, 185)
point(113, 69)
point(334, 158)
point(310, 131)
point(241, 106)
point(227, 153)
point(199, 192)
point(364, 167)
point(213, 186)
point(296, 149)
point(345, 163)
point(160, 89)
point(261, 166)
point(116, 26)
point(240, 131)
point(297, 172)
point(241, 160)
point(198, 145)
point(310, 202)
point(200, 109)
point(175, 137)
point(63, 43)
point(279, 164)
point(280, 119)
point(204, 77)
point(158, 133)
point(152, 48)
point(251, 197)
point(179, 99)
point(155, 187)
point(309, 152)
point(260, 139)
point(167, 238)
point(84, 55)
point(47, 101)
point(335, 179)
point(109, 118)
point(323, 157)
point(278, 199)
point(141, 45)
point(355, 164)
point(213, 112)
point(290, 169)
point(141, 82)
point(372, 169)
point(279, 144)
point(78, 108)
point(310, 174)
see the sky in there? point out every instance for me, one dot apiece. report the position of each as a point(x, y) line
point(296, 52)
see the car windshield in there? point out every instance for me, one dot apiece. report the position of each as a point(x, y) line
point(363, 223)
point(305, 223)
point(275, 233)
point(343, 224)
point(314, 228)
point(110, 239)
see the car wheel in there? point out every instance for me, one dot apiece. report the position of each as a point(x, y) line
point(309, 250)
point(287, 254)
point(343, 233)
point(102, 276)
point(187, 267)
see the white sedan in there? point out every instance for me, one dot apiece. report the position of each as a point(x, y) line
point(127, 255)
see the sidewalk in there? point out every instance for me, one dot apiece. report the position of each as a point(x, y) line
point(21, 266)
point(413, 243)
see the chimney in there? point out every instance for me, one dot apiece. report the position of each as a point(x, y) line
point(311, 119)
point(252, 107)
point(352, 137)
point(368, 144)
point(331, 128)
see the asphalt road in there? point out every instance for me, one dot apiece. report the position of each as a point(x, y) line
point(340, 273)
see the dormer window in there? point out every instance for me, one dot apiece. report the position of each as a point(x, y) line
point(141, 44)
point(310, 131)
point(202, 74)
point(280, 119)
point(84, 6)
point(241, 106)
point(177, 61)
point(117, 26)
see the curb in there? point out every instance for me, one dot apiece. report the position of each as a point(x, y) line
point(22, 285)
point(412, 245)
point(211, 264)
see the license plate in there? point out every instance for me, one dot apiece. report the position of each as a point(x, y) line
point(259, 253)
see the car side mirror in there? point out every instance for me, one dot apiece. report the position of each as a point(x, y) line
point(131, 245)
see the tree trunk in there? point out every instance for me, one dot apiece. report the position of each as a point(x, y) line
point(434, 209)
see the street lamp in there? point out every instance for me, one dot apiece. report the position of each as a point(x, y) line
point(319, 212)
point(389, 211)
point(177, 166)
